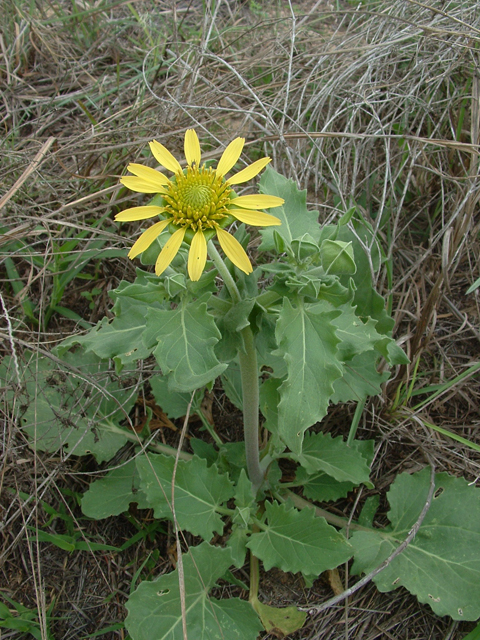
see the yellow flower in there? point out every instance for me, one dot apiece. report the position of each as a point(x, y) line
point(198, 203)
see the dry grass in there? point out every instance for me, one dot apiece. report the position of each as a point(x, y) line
point(374, 106)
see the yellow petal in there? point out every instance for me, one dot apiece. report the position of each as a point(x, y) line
point(164, 157)
point(259, 201)
point(141, 185)
point(230, 156)
point(139, 213)
point(197, 256)
point(169, 251)
point(192, 148)
point(148, 174)
point(255, 218)
point(234, 250)
point(249, 172)
point(146, 239)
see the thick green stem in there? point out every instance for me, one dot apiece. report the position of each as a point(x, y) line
point(254, 579)
point(224, 272)
point(249, 372)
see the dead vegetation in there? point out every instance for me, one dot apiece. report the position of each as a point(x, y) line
point(374, 106)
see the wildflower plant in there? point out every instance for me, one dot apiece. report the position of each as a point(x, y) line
point(287, 334)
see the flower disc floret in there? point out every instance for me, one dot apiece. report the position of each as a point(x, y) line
point(199, 200)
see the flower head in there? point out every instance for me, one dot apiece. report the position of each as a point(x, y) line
point(198, 203)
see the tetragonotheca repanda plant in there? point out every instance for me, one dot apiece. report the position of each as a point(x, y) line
point(285, 322)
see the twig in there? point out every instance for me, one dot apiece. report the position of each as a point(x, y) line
point(181, 574)
point(29, 170)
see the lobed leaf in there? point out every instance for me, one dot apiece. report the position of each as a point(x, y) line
point(295, 541)
point(185, 340)
point(154, 608)
point(114, 493)
point(294, 215)
point(441, 566)
point(119, 339)
point(308, 342)
point(62, 409)
point(334, 457)
point(199, 491)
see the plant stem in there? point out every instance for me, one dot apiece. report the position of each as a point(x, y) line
point(254, 579)
point(249, 373)
point(224, 272)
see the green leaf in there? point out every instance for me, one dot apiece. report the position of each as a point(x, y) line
point(441, 565)
point(147, 288)
point(204, 450)
point(337, 257)
point(333, 456)
point(174, 403)
point(322, 487)
point(308, 342)
point(232, 459)
point(244, 500)
point(71, 543)
point(296, 219)
point(119, 339)
point(360, 379)
point(232, 384)
point(295, 540)
point(154, 608)
point(368, 302)
point(237, 543)
point(199, 491)
point(61, 407)
point(114, 493)
point(475, 634)
point(369, 509)
point(356, 336)
point(185, 339)
point(269, 400)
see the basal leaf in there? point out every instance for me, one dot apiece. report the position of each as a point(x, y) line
point(185, 340)
point(333, 456)
point(62, 408)
point(307, 340)
point(441, 566)
point(114, 493)
point(295, 541)
point(296, 219)
point(199, 490)
point(154, 611)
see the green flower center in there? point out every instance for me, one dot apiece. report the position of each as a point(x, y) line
point(197, 199)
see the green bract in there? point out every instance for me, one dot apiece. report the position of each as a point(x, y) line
point(304, 331)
